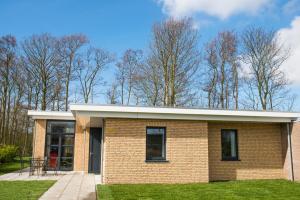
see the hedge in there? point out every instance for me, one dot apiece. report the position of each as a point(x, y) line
point(8, 153)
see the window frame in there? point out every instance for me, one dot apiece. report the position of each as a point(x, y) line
point(59, 144)
point(163, 158)
point(236, 158)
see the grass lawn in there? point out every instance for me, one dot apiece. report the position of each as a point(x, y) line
point(257, 189)
point(23, 189)
point(13, 166)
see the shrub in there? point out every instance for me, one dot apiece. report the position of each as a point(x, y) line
point(8, 153)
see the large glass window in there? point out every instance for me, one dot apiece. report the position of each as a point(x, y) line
point(156, 143)
point(60, 144)
point(229, 145)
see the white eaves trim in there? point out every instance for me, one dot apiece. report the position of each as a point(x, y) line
point(55, 115)
point(180, 113)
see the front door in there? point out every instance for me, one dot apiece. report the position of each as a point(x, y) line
point(95, 150)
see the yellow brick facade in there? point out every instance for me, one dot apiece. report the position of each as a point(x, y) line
point(39, 138)
point(125, 152)
point(259, 147)
point(193, 151)
point(295, 138)
point(81, 150)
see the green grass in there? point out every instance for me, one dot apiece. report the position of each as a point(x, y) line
point(13, 166)
point(10, 190)
point(241, 190)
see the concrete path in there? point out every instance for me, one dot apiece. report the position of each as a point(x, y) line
point(73, 186)
point(69, 185)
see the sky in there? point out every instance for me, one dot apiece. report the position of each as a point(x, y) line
point(117, 25)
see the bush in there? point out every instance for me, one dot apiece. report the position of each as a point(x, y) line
point(8, 153)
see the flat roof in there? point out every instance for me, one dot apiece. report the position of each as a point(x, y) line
point(59, 115)
point(144, 112)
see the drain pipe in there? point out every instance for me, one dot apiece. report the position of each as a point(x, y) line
point(291, 150)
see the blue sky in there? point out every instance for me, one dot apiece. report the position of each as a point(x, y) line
point(117, 24)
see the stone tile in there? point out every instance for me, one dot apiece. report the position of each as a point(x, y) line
point(69, 186)
point(73, 186)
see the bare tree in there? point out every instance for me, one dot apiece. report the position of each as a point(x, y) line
point(8, 46)
point(41, 53)
point(69, 46)
point(58, 90)
point(264, 55)
point(150, 84)
point(89, 69)
point(126, 75)
point(221, 74)
point(112, 94)
point(174, 51)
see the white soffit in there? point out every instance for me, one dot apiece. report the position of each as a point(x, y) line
point(114, 111)
point(55, 115)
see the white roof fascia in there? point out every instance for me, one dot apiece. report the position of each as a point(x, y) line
point(55, 115)
point(181, 113)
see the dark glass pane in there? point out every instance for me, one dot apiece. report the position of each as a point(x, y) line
point(54, 139)
point(155, 139)
point(155, 151)
point(67, 140)
point(60, 141)
point(66, 151)
point(155, 131)
point(48, 140)
point(155, 144)
point(60, 127)
point(66, 163)
point(229, 148)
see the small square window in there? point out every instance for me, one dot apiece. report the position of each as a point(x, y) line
point(155, 144)
point(229, 145)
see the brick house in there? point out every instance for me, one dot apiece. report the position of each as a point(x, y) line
point(126, 144)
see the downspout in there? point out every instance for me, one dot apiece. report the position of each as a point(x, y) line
point(291, 151)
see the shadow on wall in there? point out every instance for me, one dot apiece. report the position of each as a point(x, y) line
point(295, 140)
point(259, 148)
point(136, 128)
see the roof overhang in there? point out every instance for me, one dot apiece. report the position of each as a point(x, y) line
point(55, 115)
point(138, 112)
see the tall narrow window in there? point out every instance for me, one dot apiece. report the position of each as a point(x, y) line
point(156, 144)
point(60, 144)
point(229, 145)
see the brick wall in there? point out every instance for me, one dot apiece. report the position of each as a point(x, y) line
point(39, 144)
point(81, 148)
point(296, 149)
point(260, 152)
point(125, 148)
point(285, 153)
point(39, 138)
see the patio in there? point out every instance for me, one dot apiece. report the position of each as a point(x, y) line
point(24, 176)
point(69, 185)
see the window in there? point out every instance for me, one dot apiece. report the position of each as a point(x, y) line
point(229, 145)
point(155, 144)
point(60, 144)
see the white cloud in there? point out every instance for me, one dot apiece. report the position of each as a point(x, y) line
point(219, 8)
point(291, 37)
